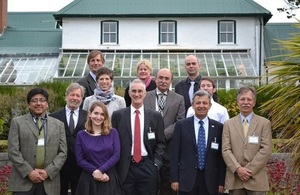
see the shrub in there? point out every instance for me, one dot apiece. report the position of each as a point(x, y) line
point(5, 172)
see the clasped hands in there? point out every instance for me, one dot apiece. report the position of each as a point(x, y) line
point(244, 173)
point(38, 175)
point(99, 176)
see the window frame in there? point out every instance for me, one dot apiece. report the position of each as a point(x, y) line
point(160, 41)
point(227, 33)
point(110, 32)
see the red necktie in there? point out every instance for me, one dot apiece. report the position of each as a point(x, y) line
point(137, 154)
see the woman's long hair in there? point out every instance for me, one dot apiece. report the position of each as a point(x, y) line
point(105, 126)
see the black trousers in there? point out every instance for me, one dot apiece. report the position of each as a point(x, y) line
point(141, 178)
point(37, 189)
point(165, 185)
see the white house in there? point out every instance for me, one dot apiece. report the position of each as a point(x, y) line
point(226, 35)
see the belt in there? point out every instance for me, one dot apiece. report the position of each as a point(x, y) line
point(144, 158)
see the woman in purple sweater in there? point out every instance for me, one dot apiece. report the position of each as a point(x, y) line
point(97, 152)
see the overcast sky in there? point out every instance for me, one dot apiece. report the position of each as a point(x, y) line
point(55, 5)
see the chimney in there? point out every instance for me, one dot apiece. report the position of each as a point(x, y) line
point(3, 15)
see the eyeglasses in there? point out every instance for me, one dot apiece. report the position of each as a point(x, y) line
point(42, 100)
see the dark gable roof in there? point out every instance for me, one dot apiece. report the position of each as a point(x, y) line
point(162, 8)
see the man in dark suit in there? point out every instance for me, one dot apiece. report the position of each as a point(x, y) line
point(70, 172)
point(171, 106)
point(95, 61)
point(37, 148)
point(142, 140)
point(197, 166)
point(189, 86)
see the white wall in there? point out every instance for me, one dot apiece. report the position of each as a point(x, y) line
point(193, 33)
point(142, 34)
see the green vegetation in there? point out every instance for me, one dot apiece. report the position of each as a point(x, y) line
point(283, 108)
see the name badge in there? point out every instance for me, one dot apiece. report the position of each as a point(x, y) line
point(41, 142)
point(214, 146)
point(253, 139)
point(151, 135)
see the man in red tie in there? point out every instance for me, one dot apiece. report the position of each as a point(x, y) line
point(142, 140)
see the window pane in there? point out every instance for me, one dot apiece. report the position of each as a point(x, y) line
point(171, 27)
point(113, 27)
point(164, 27)
point(109, 32)
point(105, 27)
point(222, 26)
point(230, 27)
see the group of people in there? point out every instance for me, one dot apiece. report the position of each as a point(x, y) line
point(152, 141)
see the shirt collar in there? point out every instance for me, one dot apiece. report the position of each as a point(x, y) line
point(248, 117)
point(205, 120)
point(159, 92)
point(68, 111)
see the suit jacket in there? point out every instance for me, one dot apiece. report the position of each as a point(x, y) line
point(89, 84)
point(237, 152)
point(155, 147)
point(127, 98)
point(70, 164)
point(184, 156)
point(22, 144)
point(182, 88)
point(173, 111)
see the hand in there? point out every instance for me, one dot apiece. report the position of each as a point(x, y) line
point(105, 178)
point(221, 189)
point(97, 175)
point(35, 177)
point(175, 186)
point(244, 173)
point(43, 173)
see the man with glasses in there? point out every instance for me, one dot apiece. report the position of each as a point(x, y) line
point(37, 148)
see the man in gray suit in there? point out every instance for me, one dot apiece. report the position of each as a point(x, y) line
point(37, 148)
point(171, 106)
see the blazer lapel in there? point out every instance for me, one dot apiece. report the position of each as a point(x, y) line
point(169, 101)
point(128, 121)
point(252, 125)
point(153, 99)
point(32, 125)
point(62, 115)
point(191, 131)
point(50, 129)
point(239, 128)
point(81, 120)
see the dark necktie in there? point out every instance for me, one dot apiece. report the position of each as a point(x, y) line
point(137, 154)
point(201, 146)
point(161, 103)
point(71, 122)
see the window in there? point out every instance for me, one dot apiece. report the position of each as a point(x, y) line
point(227, 32)
point(110, 32)
point(167, 32)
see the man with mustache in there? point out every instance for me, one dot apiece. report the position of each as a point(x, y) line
point(246, 148)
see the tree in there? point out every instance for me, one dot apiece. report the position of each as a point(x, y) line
point(283, 108)
point(292, 5)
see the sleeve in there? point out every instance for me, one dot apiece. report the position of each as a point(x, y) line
point(115, 157)
point(79, 153)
